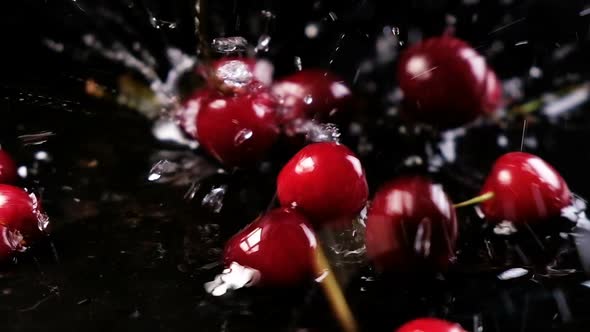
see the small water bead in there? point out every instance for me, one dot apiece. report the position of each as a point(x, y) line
point(263, 44)
point(314, 131)
point(166, 130)
point(162, 24)
point(227, 45)
point(214, 198)
point(242, 136)
point(161, 170)
point(513, 274)
point(298, 63)
point(235, 73)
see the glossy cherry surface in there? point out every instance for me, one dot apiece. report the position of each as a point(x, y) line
point(325, 181)
point(187, 115)
point(411, 224)
point(279, 244)
point(311, 93)
point(526, 189)
point(7, 168)
point(430, 325)
point(236, 130)
point(20, 211)
point(446, 83)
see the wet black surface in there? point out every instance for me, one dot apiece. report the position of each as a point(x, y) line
point(127, 254)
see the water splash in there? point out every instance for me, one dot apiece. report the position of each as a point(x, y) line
point(234, 277)
point(214, 198)
point(242, 136)
point(162, 24)
point(12, 238)
point(162, 171)
point(263, 44)
point(505, 228)
point(314, 131)
point(165, 90)
point(422, 242)
point(234, 74)
point(513, 274)
point(229, 45)
point(167, 130)
point(42, 218)
point(37, 138)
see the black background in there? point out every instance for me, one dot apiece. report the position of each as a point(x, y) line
point(126, 254)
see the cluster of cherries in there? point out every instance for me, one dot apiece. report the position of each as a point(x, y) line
point(411, 224)
point(21, 218)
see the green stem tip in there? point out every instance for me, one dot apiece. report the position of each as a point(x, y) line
point(475, 200)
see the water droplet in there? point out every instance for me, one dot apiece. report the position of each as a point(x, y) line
point(162, 24)
point(308, 99)
point(214, 198)
point(312, 30)
point(298, 63)
point(22, 171)
point(512, 274)
point(332, 16)
point(267, 14)
point(263, 44)
point(314, 131)
point(502, 141)
point(43, 156)
point(37, 138)
point(42, 218)
point(161, 170)
point(230, 44)
point(242, 136)
point(505, 228)
point(423, 236)
point(234, 277)
point(234, 74)
point(166, 130)
point(53, 45)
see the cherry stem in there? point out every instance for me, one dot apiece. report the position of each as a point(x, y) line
point(333, 291)
point(475, 200)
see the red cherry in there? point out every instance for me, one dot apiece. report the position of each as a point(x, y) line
point(236, 130)
point(311, 93)
point(325, 181)
point(280, 245)
point(187, 115)
point(446, 83)
point(526, 189)
point(411, 224)
point(7, 168)
point(21, 211)
point(430, 325)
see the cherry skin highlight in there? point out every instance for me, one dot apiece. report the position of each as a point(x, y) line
point(526, 190)
point(236, 130)
point(20, 211)
point(326, 182)
point(311, 93)
point(7, 168)
point(446, 83)
point(279, 244)
point(430, 325)
point(186, 116)
point(411, 226)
